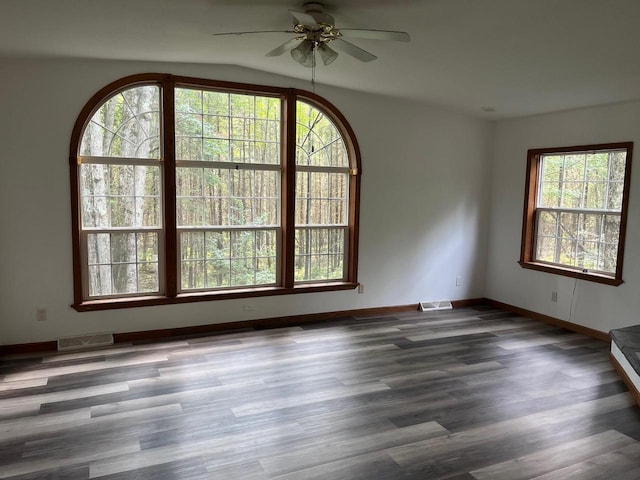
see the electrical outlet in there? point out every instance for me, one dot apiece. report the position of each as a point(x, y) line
point(458, 281)
point(360, 288)
point(554, 296)
point(41, 314)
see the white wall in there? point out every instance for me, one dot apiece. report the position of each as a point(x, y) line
point(424, 210)
point(593, 305)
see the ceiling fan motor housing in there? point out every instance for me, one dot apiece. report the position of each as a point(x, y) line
point(316, 10)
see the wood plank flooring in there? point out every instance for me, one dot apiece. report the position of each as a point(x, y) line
point(473, 393)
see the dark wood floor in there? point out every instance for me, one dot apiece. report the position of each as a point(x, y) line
point(465, 394)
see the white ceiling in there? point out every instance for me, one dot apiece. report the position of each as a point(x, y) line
point(520, 57)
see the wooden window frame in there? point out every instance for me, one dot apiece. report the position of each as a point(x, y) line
point(528, 244)
point(168, 83)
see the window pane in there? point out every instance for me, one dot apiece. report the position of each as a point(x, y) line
point(318, 141)
point(223, 127)
point(574, 167)
point(126, 126)
point(321, 198)
point(615, 196)
point(598, 167)
point(319, 254)
point(216, 150)
point(266, 249)
point(618, 165)
point(148, 196)
point(188, 148)
point(569, 225)
point(547, 223)
point(550, 193)
point(215, 103)
point(567, 254)
point(208, 196)
point(228, 258)
point(242, 245)
point(265, 270)
point(122, 263)
point(590, 227)
point(584, 180)
point(147, 262)
point(587, 255)
point(124, 278)
point(243, 272)
point(215, 126)
point(595, 195)
point(218, 245)
point(192, 274)
point(99, 249)
point(572, 195)
point(123, 247)
point(611, 228)
point(609, 257)
point(546, 249)
point(587, 240)
point(147, 277)
point(192, 245)
point(188, 101)
point(120, 196)
point(242, 258)
point(99, 280)
point(218, 273)
point(552, 168)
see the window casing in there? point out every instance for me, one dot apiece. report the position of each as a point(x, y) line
point(187, 190)
point(575, 211)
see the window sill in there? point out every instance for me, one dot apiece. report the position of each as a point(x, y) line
point(570, 272)
point(148, 301)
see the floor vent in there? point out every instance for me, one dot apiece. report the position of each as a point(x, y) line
point(432, 306)
point(85, 341)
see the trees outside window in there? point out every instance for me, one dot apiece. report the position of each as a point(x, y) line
point(576, 209)
point(187, 190)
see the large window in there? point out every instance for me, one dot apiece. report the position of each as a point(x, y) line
point(187, 190)
point(575, 211)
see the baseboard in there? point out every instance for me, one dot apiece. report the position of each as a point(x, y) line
point(26, 348)
point(469, 302)
point(264, 323)
point(597, 334)
point(275, 322)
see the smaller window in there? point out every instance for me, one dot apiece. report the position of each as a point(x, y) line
point(575, 211)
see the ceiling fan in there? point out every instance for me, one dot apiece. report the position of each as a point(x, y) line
point(315, 30)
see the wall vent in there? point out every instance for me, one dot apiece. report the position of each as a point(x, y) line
point(432, 306)
point(85, 341)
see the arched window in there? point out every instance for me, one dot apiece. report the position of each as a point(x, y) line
point(322, 196)
point(188, 190)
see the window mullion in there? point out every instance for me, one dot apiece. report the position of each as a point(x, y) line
point(169, 157)
point(288, 188)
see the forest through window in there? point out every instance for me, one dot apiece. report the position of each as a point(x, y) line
point(187, 187)
point(575, 212)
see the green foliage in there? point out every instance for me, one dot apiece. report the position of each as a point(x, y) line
point(591, 181)
point(228, 217)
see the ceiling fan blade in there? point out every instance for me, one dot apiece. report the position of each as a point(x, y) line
point(353, 50)
point(283, 48)
point(303, 18)
point(253, 31)
point(376, 34)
